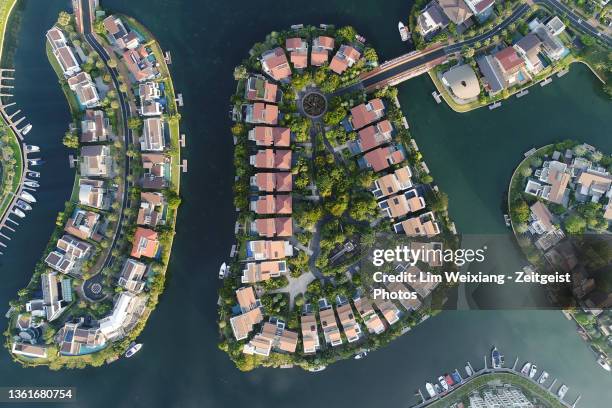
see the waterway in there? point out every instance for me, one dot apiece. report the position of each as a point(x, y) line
point(471, 156)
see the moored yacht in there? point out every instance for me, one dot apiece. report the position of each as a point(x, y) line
point(468, 370)
point(443, 383)
point(430, 389)
point(526, 368)
point(603, 362)
point(403, 30)
point(30, 183)
point(562, 391)
point(543, 377)
point(23, 205)
point(133, 349)
point(27, 197)
point(18, 213)
point(497, 359)
point(32, 149)
point(533, 371)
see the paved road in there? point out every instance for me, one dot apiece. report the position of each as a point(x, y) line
point(576, 20)
point(125, 113)
point(388, 74)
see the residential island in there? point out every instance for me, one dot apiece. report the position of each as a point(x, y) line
point(505, 47)
point(323, 172)
point(103, 269)
point(560, 201)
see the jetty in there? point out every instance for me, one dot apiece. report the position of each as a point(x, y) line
point(546, 81)
point(495, 105)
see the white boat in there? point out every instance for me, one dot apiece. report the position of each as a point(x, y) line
point(603, 362)
point(23, 205)
point(403, 30)
point(32, 149)
point(430, 389)
point(562, 391)
point(317, 369)
point(26, 129)
point(27, 197)
point(443, 383)
point(526, 368)
point(507, 220)
point(468, 370)
point(34, 174)
point(543, 377)
point(35, 162)
point(361, 355)
point(133, 349)
point(33, 184)
point(19, 213)
point(533, 371)
point(497, 359)
point(222, 270)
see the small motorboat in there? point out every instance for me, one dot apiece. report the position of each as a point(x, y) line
point(35, 162)
point(34, 174)
point(525, 369)
point(30, 183)
point(19, 213)
point(457, 377)
point(403, 30)
point(468, 370)
point(443, 383)
point(603, 362)
point(133, 349)
point(543, 377)
point(23, 205)
point(317, 369)
point(27, 197)
point(533, 371)
point(223, 270)
point(562, 391)
point(26, 129)
point(361, 355)
point(507, 220)
point(430, 389)
point(32, 149)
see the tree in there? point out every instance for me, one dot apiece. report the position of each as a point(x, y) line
point(112, 63)
point(575, 224)
point(469, 53)
point(240, 72)
point(64, 19)
point(427, 179)
point(135, 123)
point(587, 40)
point(520, 211)
point(71, 140)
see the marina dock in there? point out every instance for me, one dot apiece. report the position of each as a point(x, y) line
point(490, 370)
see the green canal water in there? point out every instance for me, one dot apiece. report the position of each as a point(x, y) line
point(471, 157)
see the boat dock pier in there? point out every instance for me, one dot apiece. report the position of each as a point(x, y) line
point(522, 93)
point(546, 81)
point(486, 370)
point(436, 96)
point(495, 105)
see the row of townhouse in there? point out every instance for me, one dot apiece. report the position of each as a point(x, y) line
point(275, 63)
point(397, 196)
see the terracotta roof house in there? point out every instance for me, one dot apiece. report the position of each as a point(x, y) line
point(595, 184)
point(29, 350)
point(410, 305)
point(83, 224)
point(330, 325)
point(95, 126)
point(423, 225)
point(351, 328)
point(246, 299)
point(132, 276)
point(271, 204)
point(273, 336)
point(152, 138)
point(243, 324)
point(118, 33)
point(420, 286)
point(344, 58)
point(260, 112)
point(274, 63)
point(139, 64)
point(310, 333)
point(541, 218)
point(383, 157)
point(151, 209)
point(260, 90)
point(298, 52)
point(374, 135)
point(393, 183)
point(260, 272)
point(528, 48)
point(56, 38)
point(273, 227)
point(399, 205)
point(431, 19)
point(321, 47)
point(145, 243)
point(552, 182)
point(85, 90)
point(510, 64)
point(272, 159)
point(156, 168)
point(372, 321)
point(367, 113)
point(270, 136)
point(389, 311)
point(149, 91)
point(96, 161)
point(263, 250)
point(273, 182)
point(456, 10)
point(91, 193)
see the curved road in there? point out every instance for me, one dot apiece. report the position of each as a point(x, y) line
point(125, 113)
